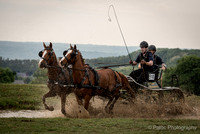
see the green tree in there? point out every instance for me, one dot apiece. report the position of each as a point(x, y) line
point(6, 75)
point(167, 76)
point(40, 76)
point(188, 72)
point(27, 80)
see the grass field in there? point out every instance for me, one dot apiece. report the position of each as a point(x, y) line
point(27, 96)
point(104, 125)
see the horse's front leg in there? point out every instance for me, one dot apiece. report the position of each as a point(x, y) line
point(51, 93)
point(87, 100)
point(109, 102)
point(63, 101)
point(79, 100)
point(113, 103)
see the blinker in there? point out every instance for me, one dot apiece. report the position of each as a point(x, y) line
point(40, 53)
point(65, 52)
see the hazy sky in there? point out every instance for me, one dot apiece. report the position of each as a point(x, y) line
point(164, 23)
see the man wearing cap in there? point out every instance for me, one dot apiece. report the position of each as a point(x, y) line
point(145, 58)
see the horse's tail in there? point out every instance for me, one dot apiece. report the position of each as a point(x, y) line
point(123, 79)
point(126, 85)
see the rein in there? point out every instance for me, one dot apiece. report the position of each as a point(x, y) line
point(81, 85)
point(80, 69)
point(96, 85)
point(113, 66)
point(86, 68)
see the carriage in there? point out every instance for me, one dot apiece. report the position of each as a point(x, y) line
point(151, 89)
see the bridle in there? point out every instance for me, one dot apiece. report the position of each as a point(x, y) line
point(72, 55)
point(49, 57)
point(56, 82)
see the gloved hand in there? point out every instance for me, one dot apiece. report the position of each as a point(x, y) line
point(164, 67)
point(143, 62)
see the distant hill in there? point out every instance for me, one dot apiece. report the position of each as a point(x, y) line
point(169, 56)
point(29, 50)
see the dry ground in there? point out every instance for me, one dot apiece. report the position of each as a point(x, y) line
point(123, 109)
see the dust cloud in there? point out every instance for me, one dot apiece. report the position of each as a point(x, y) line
point(122, 109)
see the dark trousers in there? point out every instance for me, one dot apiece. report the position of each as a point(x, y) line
point(138, 76)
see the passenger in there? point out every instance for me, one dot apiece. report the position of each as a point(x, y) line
point(157, 61)
point(145, 58)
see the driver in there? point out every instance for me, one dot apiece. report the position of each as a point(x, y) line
point(145, 58)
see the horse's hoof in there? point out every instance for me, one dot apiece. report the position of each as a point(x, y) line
point(110, 112)
point(66, 115)
point(106, 110)
point(64, 112)
point(50, 108)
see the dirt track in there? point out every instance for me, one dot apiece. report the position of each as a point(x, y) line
point(124, 109)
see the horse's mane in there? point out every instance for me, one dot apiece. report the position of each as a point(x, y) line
point(82, 59)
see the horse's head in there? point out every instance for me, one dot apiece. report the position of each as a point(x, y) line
point(70, 56)
point(47, 56)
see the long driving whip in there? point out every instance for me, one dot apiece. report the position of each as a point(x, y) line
point(119, 28)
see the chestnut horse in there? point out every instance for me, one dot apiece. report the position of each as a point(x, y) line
point(57, 77)
point(104, 82)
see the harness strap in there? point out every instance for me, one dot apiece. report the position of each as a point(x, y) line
point(51, 81)
point(96, 77)
point(86, 76)
point(70, 74)
point(64, 75)
point(90, 85)
point(67, 82)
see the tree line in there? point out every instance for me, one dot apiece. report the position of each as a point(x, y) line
point(169, 56)
point(25, 66)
